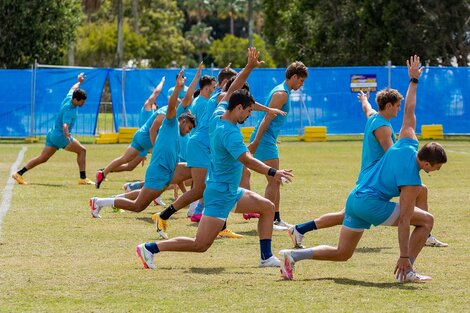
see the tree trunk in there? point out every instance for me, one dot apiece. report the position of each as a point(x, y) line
point(232, 25)
point(250, 23)
point(120, 46)
point(135, 13)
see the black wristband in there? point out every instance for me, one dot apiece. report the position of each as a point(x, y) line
point(414, 80)
point(404, 257)
point(272, 171)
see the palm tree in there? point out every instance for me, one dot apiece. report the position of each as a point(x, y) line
point(200, 37)
point(198, 9)
point(90, 7)
point(232, 9)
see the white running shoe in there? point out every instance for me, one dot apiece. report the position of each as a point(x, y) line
point(287, 264)
point(95, 209)
point(281, 225)
point(125, 187)
point(159, 202)
point(273, 261)
point(413, 277)
point(192, 208)
point(434, 242)
point(145, 256)
point(296, 237)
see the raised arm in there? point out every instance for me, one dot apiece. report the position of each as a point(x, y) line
point(408, 127)
point(262, 108)
point(173, 102)
point(366, 107)
point(256, 165)
point(80, 79)
point(155, 127)
point(188, 97)
point(241, 78)
point(151, 100)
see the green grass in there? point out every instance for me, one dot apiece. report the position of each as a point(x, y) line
point(55, 258)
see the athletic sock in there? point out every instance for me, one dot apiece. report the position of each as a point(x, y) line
point(152, 247)
point(108, 202)
point(265, 248)
point(82, 175)
point(302, 254)
point(22, 171)
point(306, 227)
point(169, 211)
point(277, 216)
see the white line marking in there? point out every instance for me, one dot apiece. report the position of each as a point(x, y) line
point(8, 190)
point(461, 152)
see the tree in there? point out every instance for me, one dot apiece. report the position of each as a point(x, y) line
point(231, 9)
point(36, 29)
point(200, 37)
point(232, 49)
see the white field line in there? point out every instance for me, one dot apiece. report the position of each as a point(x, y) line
point(453, 151)
point(8, 190)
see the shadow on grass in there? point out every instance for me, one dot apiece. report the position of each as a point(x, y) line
point(248, 233)
point(145, 219)
point(371, 250)
point(205, 270)
point(353, 282)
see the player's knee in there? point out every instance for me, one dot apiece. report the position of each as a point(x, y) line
point(343, 256)
point(267, 206)
point(429, 221)
point(202, 246)
point(139, 207)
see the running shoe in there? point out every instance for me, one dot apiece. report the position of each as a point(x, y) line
point(196, 218)
point(145, 256)
point(287, 264)
point(159, 201)
point(99, 178)
point(248, 216)
point(434, 242)
point(85, 181)
point(413, 277)
point(19, 179)
point(273, 261)
point(160, 225)
point(95, 209)
point(296, 237)
point(227, 233)
point(281, 225)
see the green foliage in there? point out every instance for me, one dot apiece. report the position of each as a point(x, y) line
point(232, 49)
point(367, 32)
point(96, 44)
point(36, 29)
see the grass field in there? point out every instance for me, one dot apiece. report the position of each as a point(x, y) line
point(55, 258)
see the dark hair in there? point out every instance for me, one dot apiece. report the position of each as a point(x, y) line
point(385, 96)
point(79, 94)
point(433, 153)
point(230, 81)
point(296, 68)
point(226, 73)
point(240, 96)
point(206, 80)
point(189, 117)
point(196, 93)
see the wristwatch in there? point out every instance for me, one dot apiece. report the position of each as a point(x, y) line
point(414, 80)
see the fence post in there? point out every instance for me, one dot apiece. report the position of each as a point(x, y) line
point(389, 70)
point(33, 97)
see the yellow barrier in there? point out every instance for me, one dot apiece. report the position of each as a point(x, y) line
point(108, 138)
point(314, 133)
point(432, 131)
point(126, 134)
point(246, 132)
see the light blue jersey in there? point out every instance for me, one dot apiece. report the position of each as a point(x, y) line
point(267, 148)
point(223, 179)
point(144, 115)
point(67, 113)
point(202, 112)
point(369, 202)
point(372, 151)
point(181, 94)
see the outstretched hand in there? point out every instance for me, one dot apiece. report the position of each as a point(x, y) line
point(284, 176)
point(81, 77)
point(180, 80)
point(363, 96)
point(276, 112)
point(403, 264)
point(253, 58)
point(414, 67)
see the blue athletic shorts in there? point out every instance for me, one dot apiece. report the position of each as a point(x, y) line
point(57, 139)
point(362, 212)
point(141, 142)
point(266, 151)
point(220, 199)
point(198, 154)
point(158, 177)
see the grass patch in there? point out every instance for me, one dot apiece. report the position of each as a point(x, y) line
point(55, 258)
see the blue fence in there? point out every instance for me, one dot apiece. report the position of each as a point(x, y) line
point(30, 99)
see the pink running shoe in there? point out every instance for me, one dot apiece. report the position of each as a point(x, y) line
point(196, 218)
point(99, 178)
point(248, 216)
